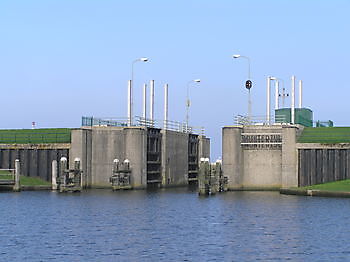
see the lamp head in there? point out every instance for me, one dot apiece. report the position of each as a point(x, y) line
point(196, 80)
point(236, 56)
point(144, 59)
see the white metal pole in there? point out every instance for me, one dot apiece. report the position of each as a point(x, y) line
point(268, 101)
point(293, 101)
point(144, 101)
point(165, 106)
point(276, 94)
point(300, 93)
point(129, 102)
point(151, 106)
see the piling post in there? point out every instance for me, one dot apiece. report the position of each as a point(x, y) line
point(78, 178)
point(17, 186)
point(63, 175)
point(54, 175)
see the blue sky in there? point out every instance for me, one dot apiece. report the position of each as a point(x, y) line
point(60, 60)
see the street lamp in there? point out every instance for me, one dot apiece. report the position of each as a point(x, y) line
point(131, 84)
point(248, 84)
point(188, 102)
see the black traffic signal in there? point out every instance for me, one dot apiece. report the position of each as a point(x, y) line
point(248, 84)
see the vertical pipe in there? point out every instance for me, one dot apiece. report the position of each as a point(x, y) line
point(276, 94)
point(268, 100)
point(293, 101)
point(165, 106)
point(130, 103)
point(300, 93)
point(144, 102)
point(54, 174)
point(17, 186)
point(151, 106)
point(63, 175)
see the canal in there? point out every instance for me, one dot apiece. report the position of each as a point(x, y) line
point(172, 225)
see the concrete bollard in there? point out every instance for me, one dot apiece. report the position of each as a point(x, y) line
point(78, 178)
point(17, 186)
point(63, 168)
point(115, 165)
point(54, 175)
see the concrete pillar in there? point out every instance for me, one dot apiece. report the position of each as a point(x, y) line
point(63, 168)
point(17, 186)
point(289, 157)
point(232, 156)
point(54, 174)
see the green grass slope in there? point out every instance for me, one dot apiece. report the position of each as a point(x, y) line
point(35, 136)
point(325, 135)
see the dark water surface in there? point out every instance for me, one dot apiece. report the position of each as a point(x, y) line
point(172, 225)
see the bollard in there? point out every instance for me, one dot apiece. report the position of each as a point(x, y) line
point(78, 179)
point(115, 165)
point(54, 175)
point(17, 186)
point(63, 175)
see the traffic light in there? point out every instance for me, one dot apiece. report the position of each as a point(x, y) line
point(248, 84)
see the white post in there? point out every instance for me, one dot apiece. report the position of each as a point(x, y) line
point(54, 175)
point(268, 100)
point(165, 106)
point(144, 102)
point(151, 106)
point(293, 101)
point(276, 94)
point(17, 186)
point(130, 103)
point(300, 93)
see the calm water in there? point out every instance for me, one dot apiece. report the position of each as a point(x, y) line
point(172, 225)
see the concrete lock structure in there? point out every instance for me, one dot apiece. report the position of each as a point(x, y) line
point(260, 157)
point(157, 157)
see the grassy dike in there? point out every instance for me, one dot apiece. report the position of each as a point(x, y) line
point(333, 189)
point(27, 183)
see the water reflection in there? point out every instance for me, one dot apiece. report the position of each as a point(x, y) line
point(172, 225)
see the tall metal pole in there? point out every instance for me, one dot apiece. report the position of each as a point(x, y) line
point(130, 103)
point(276, 94)
point(144, 102)
point(166, 106)
point(188, 103)
point(151, 102)
point(268, 100)
point(293, 101)
point(300, 93)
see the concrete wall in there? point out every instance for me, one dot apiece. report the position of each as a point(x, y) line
point(260, 157)
point(174, 158)
point(104, 144)
point(204, 147)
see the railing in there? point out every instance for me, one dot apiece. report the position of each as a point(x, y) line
point(259, 120)
point(141, 121)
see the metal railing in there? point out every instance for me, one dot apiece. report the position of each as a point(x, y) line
point(7, 176)
point(259, 120)
point(141, 121)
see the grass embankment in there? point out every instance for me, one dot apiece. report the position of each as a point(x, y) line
point(325, 135)
point(24, 180)
point(35, 136)
point(338, 186)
